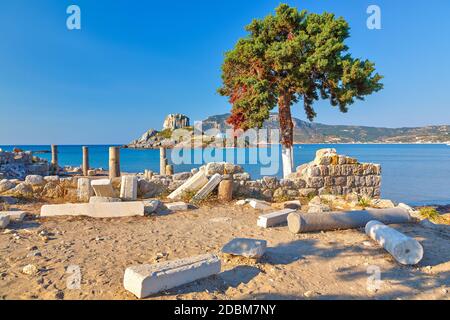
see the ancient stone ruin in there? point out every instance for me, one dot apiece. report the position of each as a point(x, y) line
point(17, 165)
point(176, 121)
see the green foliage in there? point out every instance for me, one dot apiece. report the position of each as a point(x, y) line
point(431, 214)
point(289, 57)
point(364, 202)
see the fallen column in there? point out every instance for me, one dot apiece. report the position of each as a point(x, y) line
point(195, 183)
point(103, 188)
point(300, 223)
point(405, 250)
point(95, 210)
point(145, 280)
point(129, 188)
point(84, 189)
point(208, 188)
point(274, 218)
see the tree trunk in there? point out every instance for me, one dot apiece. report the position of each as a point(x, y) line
point(287, 133)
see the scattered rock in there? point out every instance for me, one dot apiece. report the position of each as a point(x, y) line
point(30, 270)
point(35, 180)
point(177, 206)
point(151, 206)
point(249, 248)
point(6, 185)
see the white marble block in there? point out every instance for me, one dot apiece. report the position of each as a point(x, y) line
point(95, 210)
point(84, 190)
point(249, 248)
point(193, 184)
point(145, 280)
point(208, 188)
point(129, 188)
point(274, 218)
point(103, 188)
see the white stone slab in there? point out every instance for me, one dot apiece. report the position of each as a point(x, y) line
point(208, 188)
point(129, 188)
point(103, 188)
point(84, 190)
point(193, 184)
point(150, 206)
point(274, 218)
point(259, 204)
point(95, 210)
point(249, 248)
point(177, 206)
point(14, 215)
point(145, 280)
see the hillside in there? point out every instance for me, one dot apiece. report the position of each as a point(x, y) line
point(307, 132)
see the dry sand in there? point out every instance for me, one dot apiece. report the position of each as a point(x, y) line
point(330, 265)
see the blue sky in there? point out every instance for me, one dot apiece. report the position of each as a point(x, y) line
point(133, 62)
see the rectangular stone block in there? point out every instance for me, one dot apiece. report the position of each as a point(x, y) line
point(208, 188)
point(14, 215)
point(177, 206)
point(84, 189)
point(259, 204)
point(274, 218)
point(145, 280)
point(103, 188)
point(193, 184)
point(129, 188)
point(95, 210)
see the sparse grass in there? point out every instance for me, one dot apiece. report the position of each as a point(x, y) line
point(431, 214)
point(282, 198)
point(188, 195)
point(166, 133)
point(364, 202)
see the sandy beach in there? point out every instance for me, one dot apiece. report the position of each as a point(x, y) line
point(326, 265)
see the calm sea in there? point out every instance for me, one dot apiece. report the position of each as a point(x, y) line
point(415, 174)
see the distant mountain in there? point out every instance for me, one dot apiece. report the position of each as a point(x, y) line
point(308, 132)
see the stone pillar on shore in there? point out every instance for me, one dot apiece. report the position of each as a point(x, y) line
point(85, 161)
point(162, 161)
point(55, 158)
point(114, 162)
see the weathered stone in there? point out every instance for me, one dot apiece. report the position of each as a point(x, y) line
point(320, 208)
point(54, 179)
point(404, 249)
point(52, 190)
point(274, 218)
point(259, 204)
point(6, 185)
point(30, 270)
point(145, 280)
point(382, 203)
point(177, 206)
point(84, 190)
point(4, 221)
point(182, 176)
point(34, 180)
point(150, 206)
point(293, 204)
point(129, 188)
point(193, 184)
point(103, 188)
point(92, 173)
point(249, 248)
point(225, 192)
point(96, 199)
point(308, 192)
point(95, 210)
point(23, 190)
point(14, 215)
point(208, 187)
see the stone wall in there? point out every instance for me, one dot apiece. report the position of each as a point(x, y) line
point(17, 165)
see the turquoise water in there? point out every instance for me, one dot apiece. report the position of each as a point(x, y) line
point(415, 174)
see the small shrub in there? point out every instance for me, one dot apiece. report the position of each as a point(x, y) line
point(364, 202)
point(431, 214)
